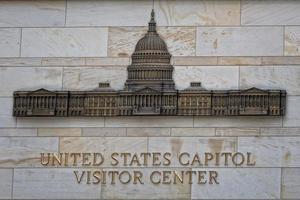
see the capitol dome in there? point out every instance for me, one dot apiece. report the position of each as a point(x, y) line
point(151, 48)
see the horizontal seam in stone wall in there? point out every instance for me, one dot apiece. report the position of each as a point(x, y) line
point(124, 61)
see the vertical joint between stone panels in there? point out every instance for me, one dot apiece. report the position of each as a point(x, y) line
point(193, 121)
point(280, 189)
point(196, 32)
point(148, 138)
point(283, 41)
point(21, 36)
point(12, 183)
point(66, 7)
point(107, 41)
point(241, 1)
point(239, 77)
point(58, 144)
point(62, 77)
point(104, 123)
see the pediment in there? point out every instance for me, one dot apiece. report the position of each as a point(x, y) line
point(41, 91)
point(147, 90)
point(254, 90)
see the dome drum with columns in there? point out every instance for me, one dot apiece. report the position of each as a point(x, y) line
point(149, 90)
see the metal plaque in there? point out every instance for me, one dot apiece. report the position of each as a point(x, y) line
point(149, 90)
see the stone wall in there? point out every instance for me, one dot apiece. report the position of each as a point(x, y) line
point(225, 44)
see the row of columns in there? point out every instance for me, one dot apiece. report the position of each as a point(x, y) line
point(150, 74)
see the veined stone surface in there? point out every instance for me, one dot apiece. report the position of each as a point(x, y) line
point(292, 40)
point(290, 183)
point(180, 40)
point(87, 78)
point(232, 121)
point(6, 118)
point(246, 183)
point(271, 77)
point(292, 118)
point(148, 190)
point(10, 132)
point(272, 151)
point(211, 77)
point(59, 132)
point(280, 12)
point(149, 121)
point(239, 41)
point(200, 13)
point(237, 131)
point(25, 151)
point(10, 42)
point(35, 122)
point(192, 145)
point(104, 132)
point(225, 44)
point(32, 13)
point(6, 183)
point(184, 132)
point(168, 13)
point(105, 145)
point(51, 184)
point(148, 132)
point(64, 42)
point(117, 13)
point(26, 78)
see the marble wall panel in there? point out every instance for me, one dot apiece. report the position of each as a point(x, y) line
point(64, 42)
point(32, 13)
point(239, 41)
point(271, 77)
point(6, 118)
point(292, 40)
point(149, 121)
point(9, 41)
point(198, 13)
point(104, 132)
point(237, 132)
point(246, 183)
point(104, 145)
point(20, 62)
point(59, 132)
point(148, 132)
point(292, 118)
point(59, 122)
point(147, 190)
point(168, 13)
point(280, 12)
point(108, 13)
point(29, 78)
point(272, 151)
point(18, 132)
point(211, 77)
point(185, 132)
point(290, 183)
point(51, 184)
point(238, 122)
point(88, 78)
point(25, 151)
point(192, 145)
point(6, 183)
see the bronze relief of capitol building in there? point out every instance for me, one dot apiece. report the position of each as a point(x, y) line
point(149, 90)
